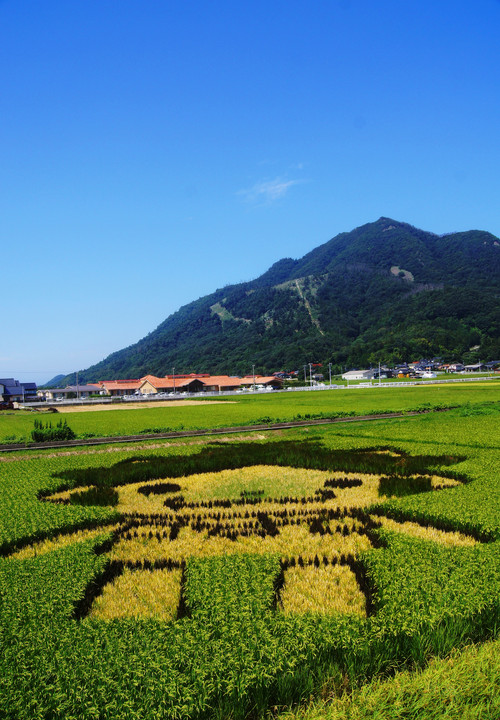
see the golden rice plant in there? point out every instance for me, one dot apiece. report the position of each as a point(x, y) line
point(138, 594)
point(64, 494)
point(437, 481)
point(361, 496)
point(132, 501)
point(442, 537)
point(324, 590)
point(59, 541)
point(276, 481)
point(295, 540)
point(292, 541)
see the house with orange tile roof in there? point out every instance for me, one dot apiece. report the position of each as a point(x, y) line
point(188, 383)
point(119, 387)
point(192, 383)
point(150, 384)
point(265, 380)
point(219, 383)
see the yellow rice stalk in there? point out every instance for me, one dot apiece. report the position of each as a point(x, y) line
point(438, 481)
point(276, 481)
point(129, 500)
point(366, 494)
point(324, 590)
point(293, 540)
point(64, 495)
point(391, 453)
point(297, 540)
point(140, 593)
point(440, 536)
point(60, 541)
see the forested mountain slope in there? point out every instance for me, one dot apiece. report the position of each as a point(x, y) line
point(385, 291)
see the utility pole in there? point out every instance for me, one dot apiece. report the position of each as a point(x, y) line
point(77, 390)
point(173, 377)
point(253, 373)
point(305, 375)
point(330, 371)
point(310, 375)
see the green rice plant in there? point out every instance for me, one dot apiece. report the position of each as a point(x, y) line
point(395, 485)
point(46, 433)
point(95, 496)
point(464, 685)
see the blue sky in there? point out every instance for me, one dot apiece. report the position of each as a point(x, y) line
point(153, 151)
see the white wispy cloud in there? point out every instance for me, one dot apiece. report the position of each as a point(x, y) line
point(268, 191)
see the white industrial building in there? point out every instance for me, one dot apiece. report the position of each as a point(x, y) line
point(359, 375)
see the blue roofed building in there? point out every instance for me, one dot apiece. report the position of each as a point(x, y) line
point(12, 390)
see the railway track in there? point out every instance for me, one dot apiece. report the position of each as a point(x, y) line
point(86, 442)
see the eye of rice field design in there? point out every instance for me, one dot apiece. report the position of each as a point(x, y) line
point(286, 502)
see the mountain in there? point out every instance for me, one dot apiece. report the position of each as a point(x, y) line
point(55, 381)
point(385, 291)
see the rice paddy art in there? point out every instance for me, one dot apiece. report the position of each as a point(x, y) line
point(232, 579)
point(313, 521)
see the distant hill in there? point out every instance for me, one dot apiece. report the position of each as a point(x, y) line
point(55, 382)
point(385, 291)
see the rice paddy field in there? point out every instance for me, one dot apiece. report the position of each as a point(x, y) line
point(342, 571)
point(16, 426)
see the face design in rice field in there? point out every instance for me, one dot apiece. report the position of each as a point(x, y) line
point(311, 518)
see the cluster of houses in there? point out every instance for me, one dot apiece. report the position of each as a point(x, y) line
point(420, 369)
point(150, 385)
point(12, 390)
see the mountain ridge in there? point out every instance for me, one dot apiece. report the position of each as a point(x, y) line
point(380, 292)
